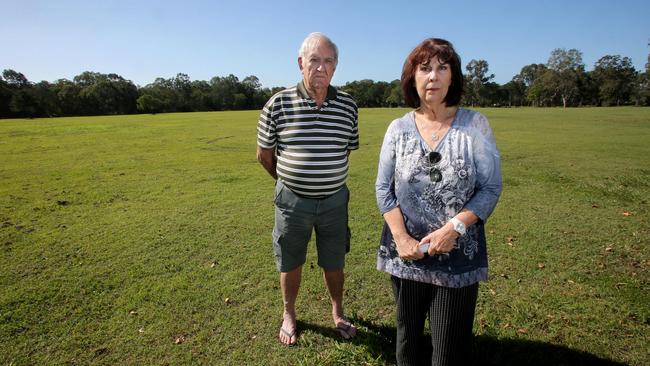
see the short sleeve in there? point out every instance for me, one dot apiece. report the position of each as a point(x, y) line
point(266, 137)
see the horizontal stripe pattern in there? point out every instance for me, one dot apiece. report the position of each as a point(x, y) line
point(311, 143)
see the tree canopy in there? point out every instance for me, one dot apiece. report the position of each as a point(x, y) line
point(562, 81)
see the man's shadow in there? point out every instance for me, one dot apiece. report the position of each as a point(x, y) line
point(379, 341)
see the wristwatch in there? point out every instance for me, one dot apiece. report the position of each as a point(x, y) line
point(459, 226)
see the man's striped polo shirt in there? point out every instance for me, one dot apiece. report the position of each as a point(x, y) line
point(311, 143)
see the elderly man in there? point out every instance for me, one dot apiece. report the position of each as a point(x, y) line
point(304, 138)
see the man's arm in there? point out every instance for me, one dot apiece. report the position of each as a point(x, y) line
point(267, 158)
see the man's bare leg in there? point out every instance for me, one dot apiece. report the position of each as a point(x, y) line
point(334, 281)
point(290, 284)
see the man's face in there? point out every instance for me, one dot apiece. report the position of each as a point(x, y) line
point(318, 65)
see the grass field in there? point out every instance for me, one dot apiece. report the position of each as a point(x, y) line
point(138, 240)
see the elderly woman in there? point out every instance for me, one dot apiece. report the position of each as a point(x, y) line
point(439, 180)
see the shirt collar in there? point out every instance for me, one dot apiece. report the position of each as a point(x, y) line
point(302, 91)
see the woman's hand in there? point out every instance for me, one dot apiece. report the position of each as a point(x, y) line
point(442, 240)
point(408, 248)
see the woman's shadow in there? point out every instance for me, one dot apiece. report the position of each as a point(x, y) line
point(487, 350)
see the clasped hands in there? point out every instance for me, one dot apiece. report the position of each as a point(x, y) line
point(440, 241)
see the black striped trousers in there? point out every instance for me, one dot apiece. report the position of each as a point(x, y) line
point(451, 317)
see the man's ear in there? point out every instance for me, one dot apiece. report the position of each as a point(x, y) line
point(300, 62)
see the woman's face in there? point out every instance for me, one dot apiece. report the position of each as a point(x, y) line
point(432, 81)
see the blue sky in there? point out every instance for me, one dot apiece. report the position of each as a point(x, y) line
point(141, 39)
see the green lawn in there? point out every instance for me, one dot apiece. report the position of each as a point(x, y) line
point(138, 240)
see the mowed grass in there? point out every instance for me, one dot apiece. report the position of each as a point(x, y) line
point(146, 239)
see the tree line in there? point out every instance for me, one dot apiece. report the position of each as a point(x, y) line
point(562, 81)
point(92, 93)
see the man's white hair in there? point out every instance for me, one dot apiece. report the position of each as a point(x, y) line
point(313, 38)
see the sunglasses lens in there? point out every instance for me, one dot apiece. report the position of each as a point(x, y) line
point(434, 157)
point(435, 175)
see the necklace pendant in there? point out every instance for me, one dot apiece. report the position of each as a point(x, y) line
point(434, 137)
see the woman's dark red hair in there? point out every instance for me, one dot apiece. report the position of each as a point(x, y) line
point(429, 48)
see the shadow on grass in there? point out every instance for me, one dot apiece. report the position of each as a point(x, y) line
point(379, 341)
point(490, 350)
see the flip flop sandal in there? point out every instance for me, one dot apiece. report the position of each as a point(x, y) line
point(289, 335)
point(344, 330)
